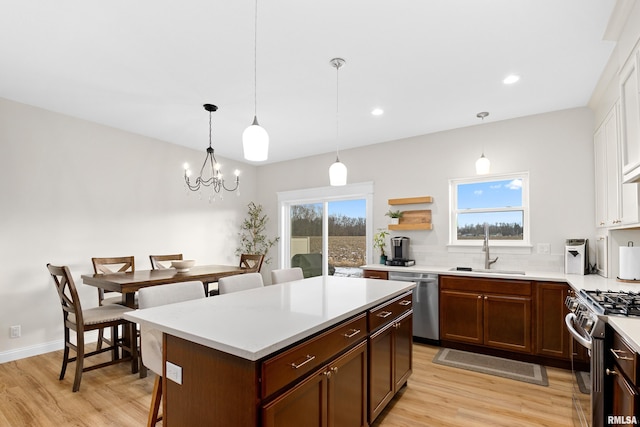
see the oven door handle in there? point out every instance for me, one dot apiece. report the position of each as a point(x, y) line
point(568, 320)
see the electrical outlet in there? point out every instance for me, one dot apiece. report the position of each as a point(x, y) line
point(174, 372)
point(544, 248)
point(14, 331)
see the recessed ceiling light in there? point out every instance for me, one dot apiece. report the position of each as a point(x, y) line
point(377, 111)
point(511, 79)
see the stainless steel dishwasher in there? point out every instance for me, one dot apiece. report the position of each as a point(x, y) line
point(426, 323)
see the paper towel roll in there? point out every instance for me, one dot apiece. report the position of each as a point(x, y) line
point(629, 263)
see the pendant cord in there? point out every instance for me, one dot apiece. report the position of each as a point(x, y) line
point(337, 109)
point(209, 129)
point(255, 62)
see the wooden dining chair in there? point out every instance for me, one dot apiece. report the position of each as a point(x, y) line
point(253, 263)
point(81, 321)
point(151, 339)
point(107, 266)
point(286, 275)
point(239, 282)
point(158, 261)
point(250, 262)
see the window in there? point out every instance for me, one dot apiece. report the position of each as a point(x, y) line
point(502, 201)
point(323, 224)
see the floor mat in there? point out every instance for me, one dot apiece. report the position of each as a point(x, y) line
point(506, 368)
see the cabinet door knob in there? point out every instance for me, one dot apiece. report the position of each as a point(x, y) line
point(611, 372)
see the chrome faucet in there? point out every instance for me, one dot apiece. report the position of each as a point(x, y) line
point(485, 248)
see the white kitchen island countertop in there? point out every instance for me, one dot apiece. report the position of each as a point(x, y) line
point(256, 323)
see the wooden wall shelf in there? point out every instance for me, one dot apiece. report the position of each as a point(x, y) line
point(411, 200)
point(413, 219)
point(425, 226)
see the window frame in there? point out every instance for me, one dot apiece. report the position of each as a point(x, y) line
point(322, 195)
point(454, 211)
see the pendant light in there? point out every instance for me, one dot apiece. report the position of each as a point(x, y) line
point(337, 171)
point(483, 165)
point(255, 139)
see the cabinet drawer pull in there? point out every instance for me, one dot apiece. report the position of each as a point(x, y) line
point(405, 302)
point(352, 334)
point(308, 359)
point(384, 314)
point(615, 354)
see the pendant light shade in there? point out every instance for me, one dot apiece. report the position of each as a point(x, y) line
point(483, 165)
point(338, 170)
point(338, 173)
point(255, 142)
point(255, 139)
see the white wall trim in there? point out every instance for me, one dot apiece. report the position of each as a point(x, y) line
point(34, 350)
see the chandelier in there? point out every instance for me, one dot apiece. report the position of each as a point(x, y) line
point(215, 179)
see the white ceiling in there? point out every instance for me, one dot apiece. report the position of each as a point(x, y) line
point(147, 66)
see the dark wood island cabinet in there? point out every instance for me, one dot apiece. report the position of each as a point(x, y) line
point(342, 375)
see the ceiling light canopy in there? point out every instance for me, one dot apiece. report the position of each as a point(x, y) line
point(377, 111)
point(511, 79)
point(255, 139)
point(337, 171)
point(215, 179)
point(483, 165)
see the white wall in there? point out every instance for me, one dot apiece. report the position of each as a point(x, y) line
point(72, 190)
point(556, 148)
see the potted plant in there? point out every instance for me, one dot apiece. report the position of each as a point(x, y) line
point(379, 242)
point(253, 239)
point(394, 215)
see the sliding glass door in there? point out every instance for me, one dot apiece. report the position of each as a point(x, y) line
point(324, 234)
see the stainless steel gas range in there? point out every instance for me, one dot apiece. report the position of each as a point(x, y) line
point(586, 323)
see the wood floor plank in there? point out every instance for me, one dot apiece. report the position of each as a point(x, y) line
point(436, 395)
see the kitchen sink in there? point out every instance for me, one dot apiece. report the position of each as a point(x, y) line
point(484, 270)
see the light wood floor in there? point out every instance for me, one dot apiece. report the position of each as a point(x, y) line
point(436, 395)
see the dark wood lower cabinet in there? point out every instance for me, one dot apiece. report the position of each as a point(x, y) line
point(335, 395)
point(552, 337)
point(622, 400)
point(489, 312)
point(390, 362)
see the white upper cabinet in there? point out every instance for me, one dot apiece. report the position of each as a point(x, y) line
point(616, 203)
point(630, 119)
point(607, 183)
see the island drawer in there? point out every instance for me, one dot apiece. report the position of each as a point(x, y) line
point(385, 313)
point(292, 364)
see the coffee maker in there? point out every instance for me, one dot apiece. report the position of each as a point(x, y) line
point(400, 252)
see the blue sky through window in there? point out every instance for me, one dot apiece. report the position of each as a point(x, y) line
point(492, 195)
point(349, 208)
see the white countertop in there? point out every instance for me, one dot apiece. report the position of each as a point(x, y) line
point(629, 327)
point(256, 323)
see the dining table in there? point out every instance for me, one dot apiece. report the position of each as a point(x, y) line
point(127, 283)
point(130, 282)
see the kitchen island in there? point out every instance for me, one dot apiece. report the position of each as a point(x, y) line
point(246, 358)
